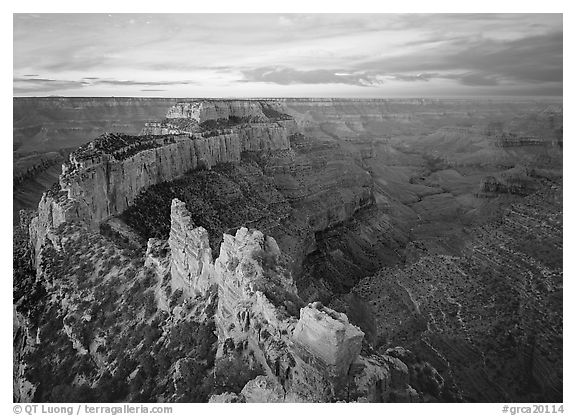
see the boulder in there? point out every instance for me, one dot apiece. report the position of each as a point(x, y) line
point(328, 335)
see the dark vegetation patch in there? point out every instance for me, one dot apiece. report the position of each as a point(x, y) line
point(120, 240)
point(220, 200)
point(232, 372)
point(121, 146)
point(223, 123)
point(274, 269)
point(185, 124)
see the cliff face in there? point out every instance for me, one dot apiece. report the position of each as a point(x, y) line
point(191, 264)
point(338, 204)
point(265, 136)
point(104, 177)
point(54, 209)
point(205, 110)
point(309, 353)
point(322, 181)
point(105, 185)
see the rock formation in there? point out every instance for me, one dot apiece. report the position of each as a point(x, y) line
point(284, 203)
point(206, 110)
point(191, 263)
point(103, 178)
point(315, 357)
point(328, 335)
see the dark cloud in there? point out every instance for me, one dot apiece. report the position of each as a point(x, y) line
point(532, 59)
point(529, 59)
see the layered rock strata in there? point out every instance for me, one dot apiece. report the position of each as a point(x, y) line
point(309, 353)
point(104, 184)
point(104, 177)
point(205, 110)
point(191, 265)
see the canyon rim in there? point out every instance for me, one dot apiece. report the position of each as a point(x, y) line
point(348, 227)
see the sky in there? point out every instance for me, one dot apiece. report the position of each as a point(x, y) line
point(288, 55)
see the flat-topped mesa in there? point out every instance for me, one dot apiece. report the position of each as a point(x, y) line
point(107, 175)
point(261, 125)
point(191, 264)
point(328, 335)
point(104, 177)
point(245, 110)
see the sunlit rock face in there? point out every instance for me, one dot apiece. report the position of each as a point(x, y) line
point(207, 110)
point(247, 268)
point(54, 209)
point(191, 264)
point(328, 334)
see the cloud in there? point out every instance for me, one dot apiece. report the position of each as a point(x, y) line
point(287, 76)
point(23, 85)
point(477, 80)
point(144, 83)
point(530, 59)
point(366, 53)
point(26, 84)
point(417, 77)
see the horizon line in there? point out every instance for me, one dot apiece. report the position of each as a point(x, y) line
point(456, 97)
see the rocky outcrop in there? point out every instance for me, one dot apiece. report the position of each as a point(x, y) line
point(263, 389)
point(104, 177)
point(328, 335)
point(191, 264)
point(54, 209)
point(206, 110)
point(105, 185)
point(313, 357)
point(246, 270)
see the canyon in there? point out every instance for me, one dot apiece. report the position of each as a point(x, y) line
point(327, 250)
